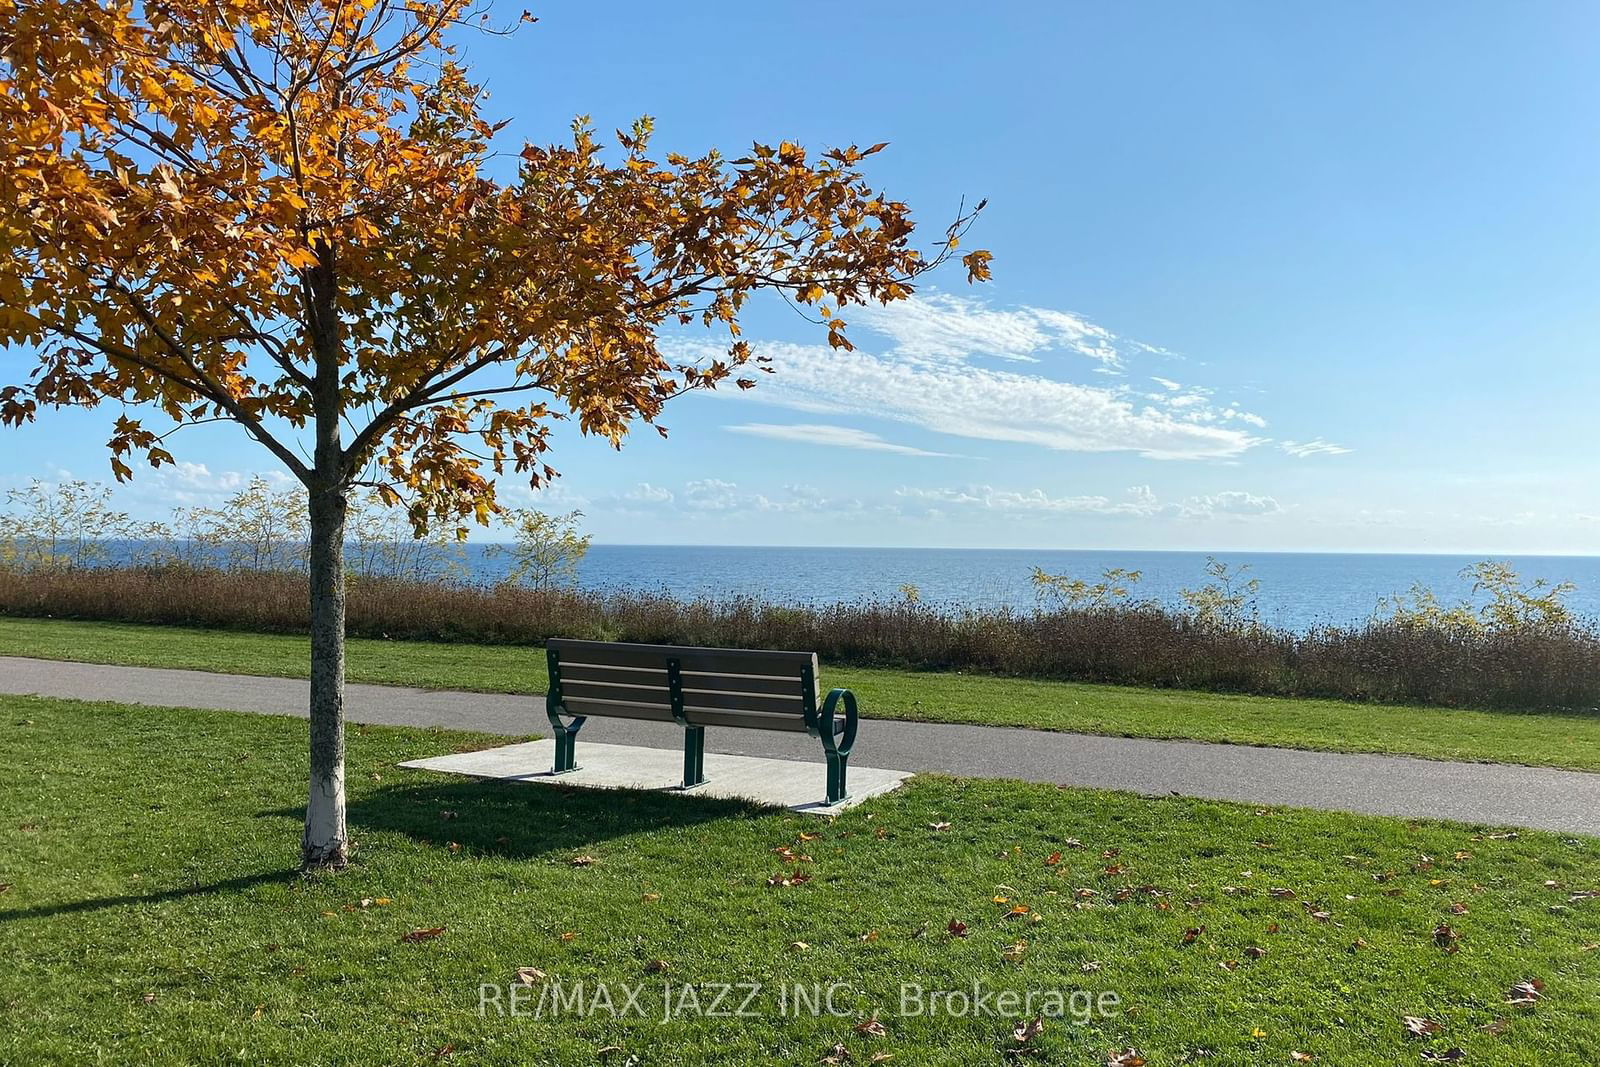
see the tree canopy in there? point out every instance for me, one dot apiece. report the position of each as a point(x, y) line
point(256, 211)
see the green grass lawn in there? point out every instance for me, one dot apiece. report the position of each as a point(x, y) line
point(150, 912)
point(1558, 740)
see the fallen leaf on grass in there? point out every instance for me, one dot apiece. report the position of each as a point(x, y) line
point(568, 935)
point(940, 826)
point(836, 1055)
point(1449, 1055)
point(651, 898)
point(656, 967)
point(1027, 1029)
point(1255, 952)
point(1458, 908)
point(1417, 1026)
point(1128, 1057)
point(871, 1028)
point(1496, 1028)
point(529, 975)
point(1014, 953)
point(149, 998)
point(1090, 966)
point(1281, 893)
point(1301, 1057)
point(1525, 993)
point(425, 934)
point(797, 878)
point(957, 928)
point(880, 1057)
point(1052, 859)
point(584, 861)
point(1191, 935)
point(1445, 936)
point(799, 946)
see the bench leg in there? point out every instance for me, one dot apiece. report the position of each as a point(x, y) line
point(835, 747)
point(838, 763)
point(694, 756)
point(566, 756)
point(566, 738)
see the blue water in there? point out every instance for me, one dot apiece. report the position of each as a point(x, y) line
point(1298, 590)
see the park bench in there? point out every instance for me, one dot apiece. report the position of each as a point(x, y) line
point(696, 688)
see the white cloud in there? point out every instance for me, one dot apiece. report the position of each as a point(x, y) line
point(837, 436)
point(1317, 447)
point(970, 401)
point(1138, 500)
point(1231, 502)
point(716, 495)
point(938, 371)
point(944, 327)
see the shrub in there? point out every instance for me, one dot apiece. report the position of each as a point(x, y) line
point(1543, 661)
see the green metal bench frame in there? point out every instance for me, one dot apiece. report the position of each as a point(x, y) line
point(838, 735)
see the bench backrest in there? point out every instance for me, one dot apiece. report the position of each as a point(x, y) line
point(714, 686)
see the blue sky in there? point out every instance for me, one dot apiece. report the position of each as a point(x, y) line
point(1266, 277)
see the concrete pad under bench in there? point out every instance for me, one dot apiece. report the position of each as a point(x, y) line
point(779, 783)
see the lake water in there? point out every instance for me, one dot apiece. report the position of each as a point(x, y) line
point(1298, 590)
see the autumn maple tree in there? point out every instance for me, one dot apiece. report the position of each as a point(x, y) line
point(283, 214)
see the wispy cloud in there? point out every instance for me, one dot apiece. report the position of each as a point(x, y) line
point(1232, 502)
point(954, 366)
point(836, 436)
point(944, 327)
point(1317, 447)
point(717, 496)
point(1138, 500)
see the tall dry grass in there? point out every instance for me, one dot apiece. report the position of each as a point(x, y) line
point(1397, 662)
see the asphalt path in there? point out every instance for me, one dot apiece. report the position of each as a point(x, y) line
point(1478, 793)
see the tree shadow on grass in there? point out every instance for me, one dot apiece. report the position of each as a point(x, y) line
point(523, 821)
point(228, 885)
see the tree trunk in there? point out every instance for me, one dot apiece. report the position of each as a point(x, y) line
point(325, 841)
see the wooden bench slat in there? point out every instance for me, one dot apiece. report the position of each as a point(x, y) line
point(609, 690)
point(659, 695)
point(770, 705)
point(744, 683)
point(761, 662)
point(750, 720)
point(618, 709)
point(605, 672)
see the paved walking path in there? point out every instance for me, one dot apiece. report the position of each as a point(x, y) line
point(1492, 794)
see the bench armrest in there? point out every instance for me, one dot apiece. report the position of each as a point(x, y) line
point(825, 717)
